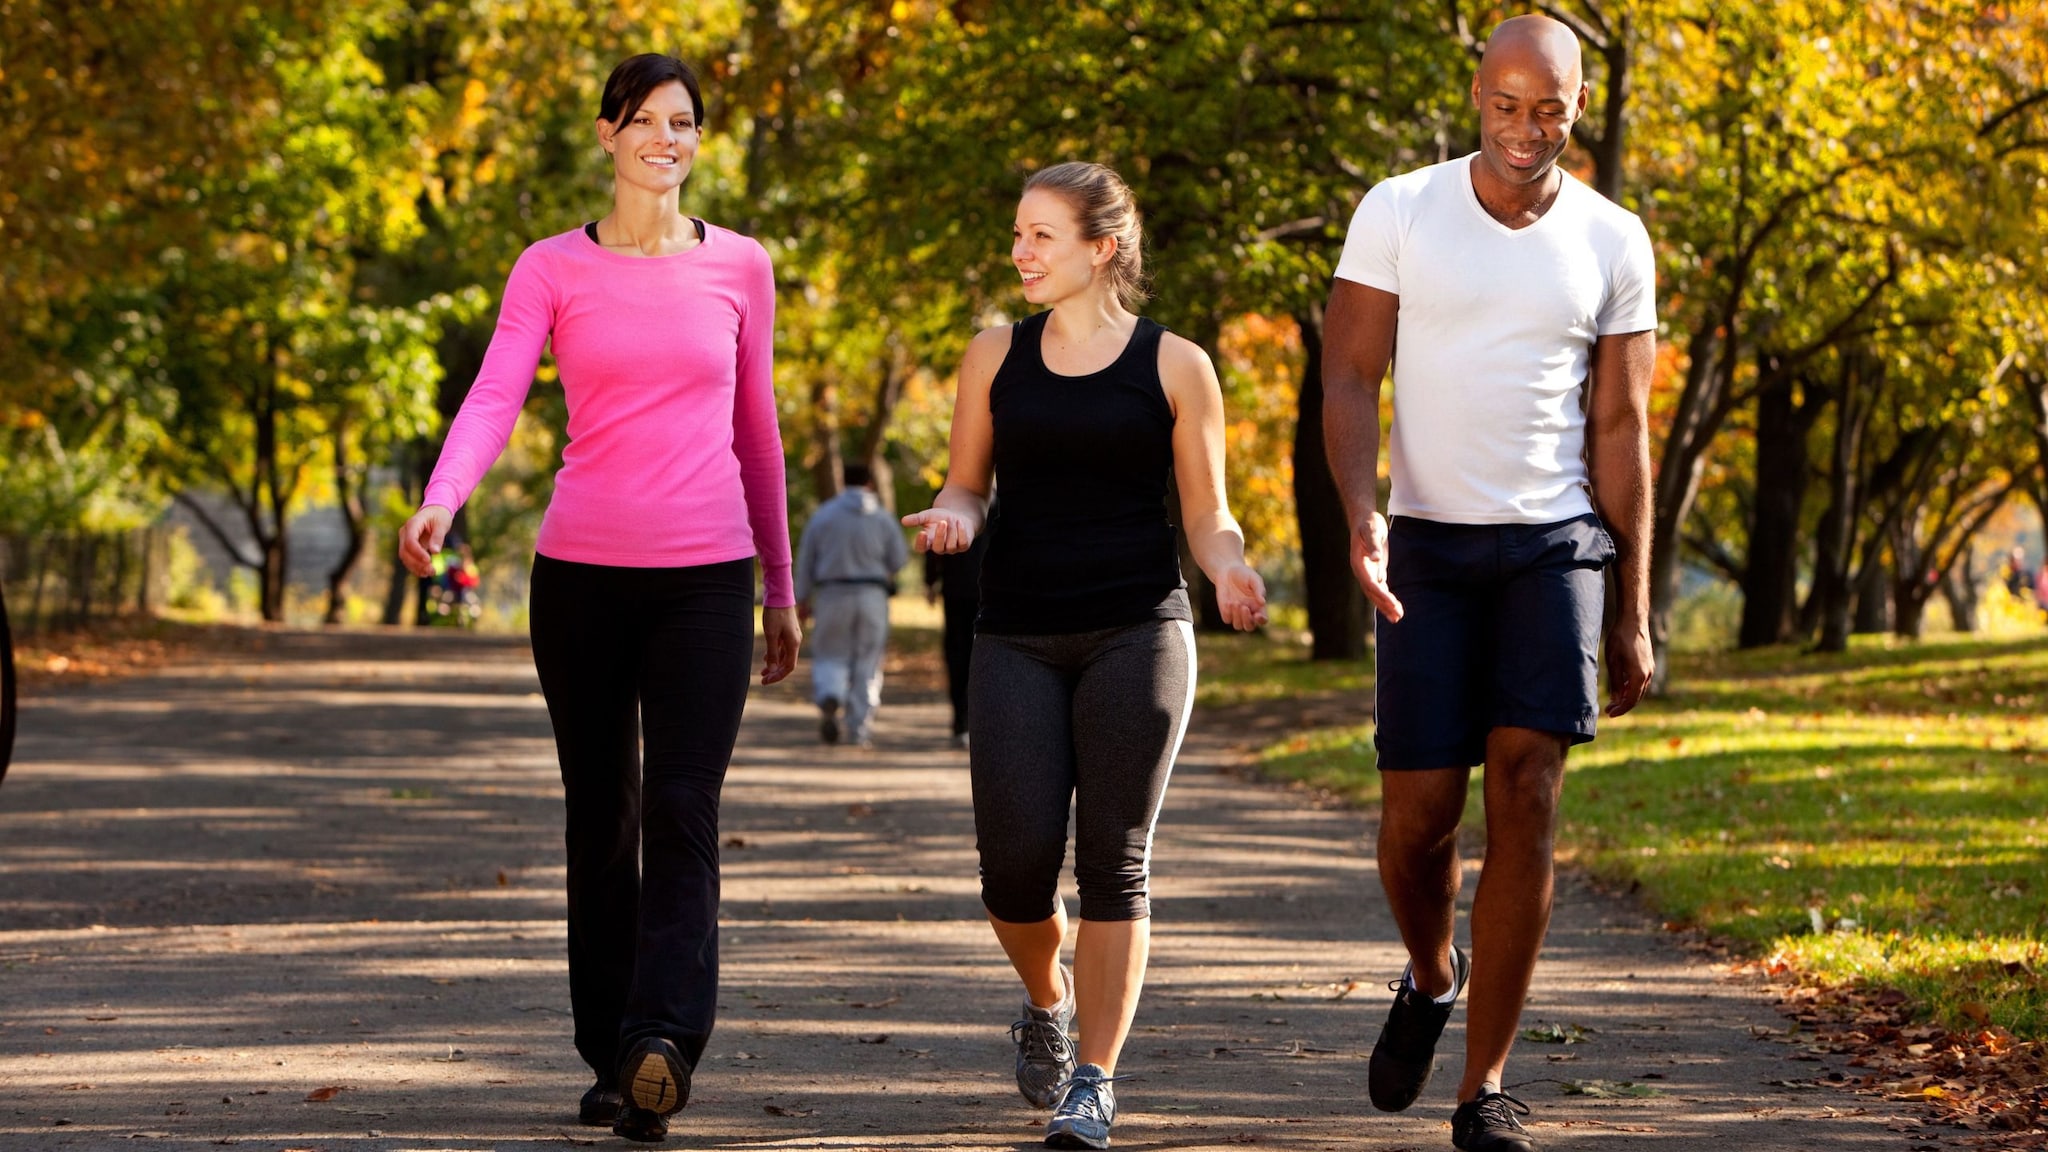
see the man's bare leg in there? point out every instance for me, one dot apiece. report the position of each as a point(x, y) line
point(1524, 779)
point(1419, 866)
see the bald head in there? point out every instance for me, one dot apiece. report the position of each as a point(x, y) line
point(1535, 42)
point(1529, 91)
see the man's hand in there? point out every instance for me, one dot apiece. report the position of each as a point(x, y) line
point(1369, 565)
point(1630, 662)
point(779, 628)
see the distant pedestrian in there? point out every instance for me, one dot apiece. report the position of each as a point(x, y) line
point(1084, 658)
point(671, 486)
point(953, 580)
point(1517, 308)
point(846, 567)
point(2019, 579)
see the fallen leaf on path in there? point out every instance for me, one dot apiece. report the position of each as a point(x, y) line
point(1607, 1088)
point(319, 1095)
point(1557, 1034)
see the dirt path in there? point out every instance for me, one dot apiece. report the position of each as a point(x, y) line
point(233, 886)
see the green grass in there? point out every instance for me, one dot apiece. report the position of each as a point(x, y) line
point(1238, 668)
point(1893, 795)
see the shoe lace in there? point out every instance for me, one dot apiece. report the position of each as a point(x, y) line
point(1498, 1109)
point(1406, 980)
point(1082, 1096)
point(1042, 1038)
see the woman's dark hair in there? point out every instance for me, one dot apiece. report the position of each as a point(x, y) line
point(627, 87)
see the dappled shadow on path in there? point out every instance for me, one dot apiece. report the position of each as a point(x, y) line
point(233, 886)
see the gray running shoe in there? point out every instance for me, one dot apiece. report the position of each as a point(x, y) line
point(1045, 1048)
point(1086, 1109)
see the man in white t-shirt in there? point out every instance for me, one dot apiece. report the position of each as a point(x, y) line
point(1517, 308)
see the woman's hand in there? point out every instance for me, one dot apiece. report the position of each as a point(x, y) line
point(1241, 596)
point(784, 636)
point(941, 530)
point(421, 538)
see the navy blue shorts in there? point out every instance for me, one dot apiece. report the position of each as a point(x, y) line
point(1500, 628)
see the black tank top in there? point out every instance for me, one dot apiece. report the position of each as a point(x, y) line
point(1079, 539)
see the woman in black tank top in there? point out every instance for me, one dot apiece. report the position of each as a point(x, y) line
point(1083, 668)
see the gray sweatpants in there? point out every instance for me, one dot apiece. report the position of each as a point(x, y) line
point(851, 631)
point(1091, 719)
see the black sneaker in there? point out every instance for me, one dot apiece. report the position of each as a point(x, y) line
point(1488, 1124)
point(641, 1125)
point(600, 1106)
point(828, 720)
point(656, 1085)
point(1085, 1112)
point(1405, 1053)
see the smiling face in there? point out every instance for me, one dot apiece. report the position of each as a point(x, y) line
point(1050, 253)
point(654, 148)
point(1529, 92)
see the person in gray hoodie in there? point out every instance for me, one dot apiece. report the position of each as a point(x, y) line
point(846, 567)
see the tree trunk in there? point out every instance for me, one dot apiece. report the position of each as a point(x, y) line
point(1912, 584)
point(1959, 588)
point(144, 604)
point(1770, 578)
point(826, 462)
point(407, 460)
point(348, 487)
point(35, 599)
point(895, 373)
point(270, 593)
point(1336, 608)
point(1873, 594)
point(117, 592)
point(1694, 425)
point(1829, 601)
point(267, 491)
point(6, 688)
point(85, 560)
point(2033, 386)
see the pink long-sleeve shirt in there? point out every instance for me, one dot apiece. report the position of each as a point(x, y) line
point(674, 456)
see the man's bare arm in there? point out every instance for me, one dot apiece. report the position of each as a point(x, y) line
point(1358, 345)
point(1618, 442)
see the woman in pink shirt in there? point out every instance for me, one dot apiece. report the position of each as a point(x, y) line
point(671, 487)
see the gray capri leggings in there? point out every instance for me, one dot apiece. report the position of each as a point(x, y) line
point(1091, 718)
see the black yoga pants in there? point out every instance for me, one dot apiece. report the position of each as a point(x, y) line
point(631, 658)
point(1087, 719)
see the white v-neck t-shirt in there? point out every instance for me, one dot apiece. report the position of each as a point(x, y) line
point(1495, 337)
